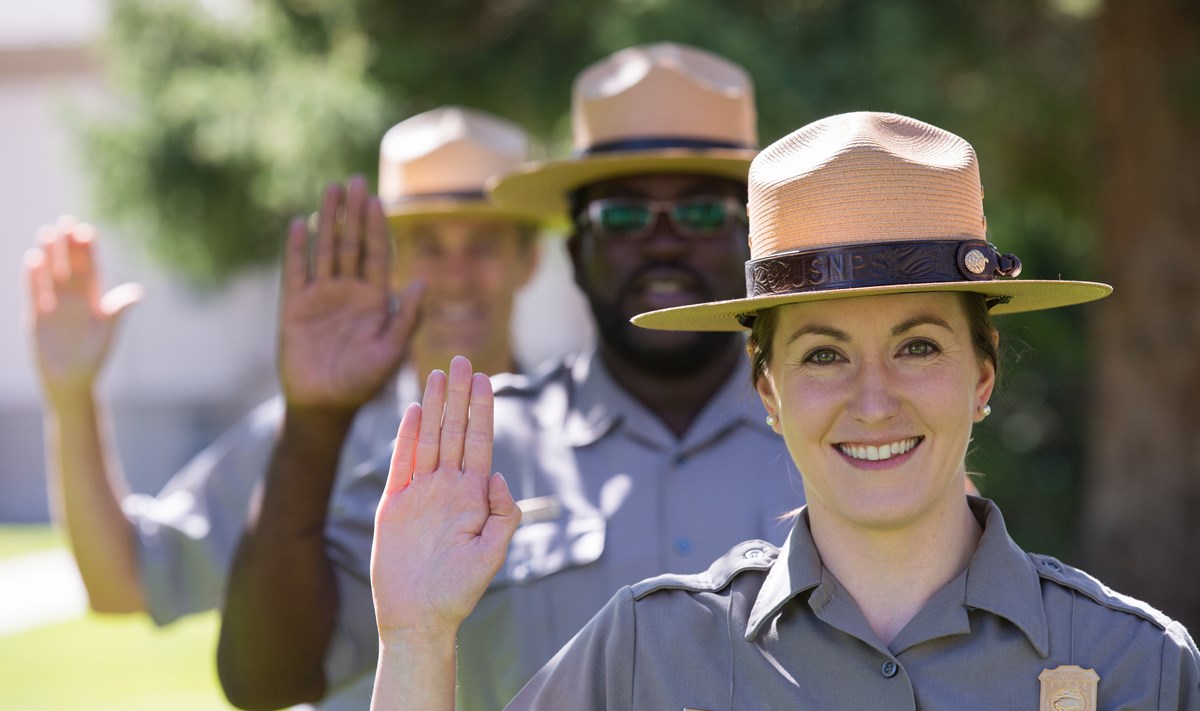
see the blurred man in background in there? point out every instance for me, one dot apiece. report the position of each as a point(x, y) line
point(462, 260)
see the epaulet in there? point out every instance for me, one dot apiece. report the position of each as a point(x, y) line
point(528, 384)
point(1054, 570)
point(746, 556)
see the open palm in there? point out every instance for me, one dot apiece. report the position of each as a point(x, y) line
point(72, 323)
point(339, 339)
point(444, 523)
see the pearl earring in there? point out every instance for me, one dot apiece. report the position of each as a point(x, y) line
point(770, 420)
point(985, 411)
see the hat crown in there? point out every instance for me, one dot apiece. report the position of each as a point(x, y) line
point(447, 151)
point(863, 177)
point(663, 91)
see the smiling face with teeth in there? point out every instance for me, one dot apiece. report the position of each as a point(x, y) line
point(875, 397)
point(622, 278)
point(472, 268)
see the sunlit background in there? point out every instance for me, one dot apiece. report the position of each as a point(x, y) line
point(190, 130)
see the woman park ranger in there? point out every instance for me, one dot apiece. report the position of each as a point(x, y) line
point(870, 292)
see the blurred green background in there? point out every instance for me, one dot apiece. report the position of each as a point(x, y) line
point(1083, 112)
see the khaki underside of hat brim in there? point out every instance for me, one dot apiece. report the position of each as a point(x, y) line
point(542, 188)
point(425, 209)
point(1028, 295)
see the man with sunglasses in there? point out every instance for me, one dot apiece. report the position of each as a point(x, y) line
point(626, 459)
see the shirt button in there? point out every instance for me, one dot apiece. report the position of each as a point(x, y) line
point(683, 546)
point(753, 554)
point(1052, 565)
point(889, 669)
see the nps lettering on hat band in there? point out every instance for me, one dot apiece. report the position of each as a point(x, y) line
point(878, 264)
point(658, 144)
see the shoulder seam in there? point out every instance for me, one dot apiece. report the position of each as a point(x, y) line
point(740, 559)
point(1053, 570)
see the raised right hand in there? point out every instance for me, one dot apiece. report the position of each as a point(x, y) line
point(71, 323)
point(339, 340)
point(444, 523)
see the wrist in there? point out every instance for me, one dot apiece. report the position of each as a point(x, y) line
point(318, 418)
point(67, 399)
point(427, 639)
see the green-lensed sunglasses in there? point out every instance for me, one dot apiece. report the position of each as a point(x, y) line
point(632, 219)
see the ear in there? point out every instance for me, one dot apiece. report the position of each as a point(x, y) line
point(532, 257)
point(987, 382)
point(764, 384)
point(575, 252)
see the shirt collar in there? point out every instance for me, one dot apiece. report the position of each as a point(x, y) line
point(1000, 578)
point(796, 570)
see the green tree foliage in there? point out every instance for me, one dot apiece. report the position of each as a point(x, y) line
point(235, 121)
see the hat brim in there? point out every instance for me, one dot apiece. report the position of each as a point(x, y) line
point(407, 213)
point(542, 187)
point(1025, 295)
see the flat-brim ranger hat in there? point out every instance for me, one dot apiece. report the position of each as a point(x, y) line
point(656, 108)
point(437, 164)
point(863, 204)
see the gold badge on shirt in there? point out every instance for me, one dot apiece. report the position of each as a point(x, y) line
point(1068, 688)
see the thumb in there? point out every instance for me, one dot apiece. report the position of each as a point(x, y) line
point(406, 314)
point(502, 523)
point(119, 298)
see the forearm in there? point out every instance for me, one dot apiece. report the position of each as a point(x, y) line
point(86, 488)
point(415, 673)
point(281, 600)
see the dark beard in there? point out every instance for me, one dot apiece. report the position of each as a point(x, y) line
point(686, 358)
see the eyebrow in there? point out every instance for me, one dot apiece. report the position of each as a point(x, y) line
point(839, 335)
point(920, 320)
point(827, 331)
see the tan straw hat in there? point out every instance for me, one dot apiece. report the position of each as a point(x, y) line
point(437, 163)
point(653, 108)
point(869, 203)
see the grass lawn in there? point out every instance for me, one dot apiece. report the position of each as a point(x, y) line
point(106, 663)
point(16, 539)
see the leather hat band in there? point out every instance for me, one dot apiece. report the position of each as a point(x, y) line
point(426, 197)
point(658, 144)
point(878, 264)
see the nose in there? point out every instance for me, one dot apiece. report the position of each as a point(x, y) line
point(664, 240)
point(453, 274)
point(873, 399)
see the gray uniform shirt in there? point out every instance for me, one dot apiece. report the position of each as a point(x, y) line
point(766, 628)
point(610, 496)
point(187, 534)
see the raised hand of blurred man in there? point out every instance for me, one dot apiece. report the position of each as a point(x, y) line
point(339, 342)
point(72, 327)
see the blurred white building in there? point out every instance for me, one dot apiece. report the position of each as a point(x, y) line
point(185, 365)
